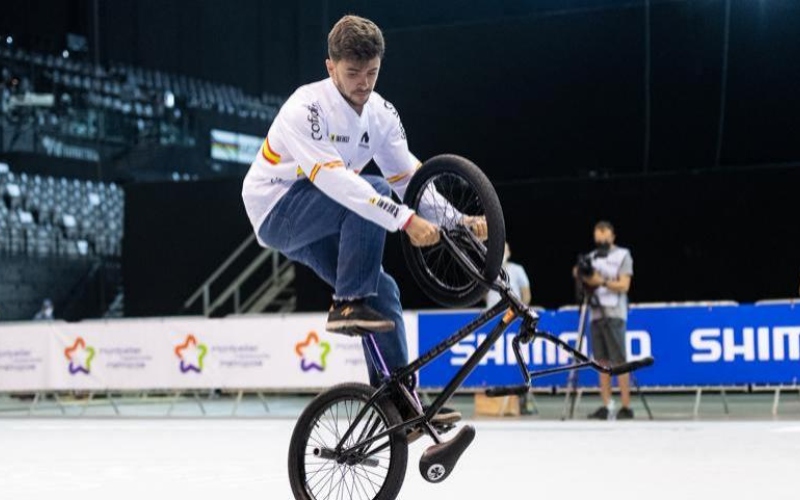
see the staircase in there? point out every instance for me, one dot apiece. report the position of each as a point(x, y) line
point(252, 280)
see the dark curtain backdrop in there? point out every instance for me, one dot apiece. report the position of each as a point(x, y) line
point(681, 130)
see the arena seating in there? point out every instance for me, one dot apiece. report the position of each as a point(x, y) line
point(130, 90)
point(48, 216)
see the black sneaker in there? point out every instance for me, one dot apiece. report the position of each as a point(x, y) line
point(625, 413)
point(357, 318)
point(443, 422)
point(599, 414)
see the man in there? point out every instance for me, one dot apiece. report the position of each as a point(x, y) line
point(518, 281)
point(304, 196)
point(611, 280)
point(46, 311)
point(521, 286)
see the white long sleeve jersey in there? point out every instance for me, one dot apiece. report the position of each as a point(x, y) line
point(318, 136)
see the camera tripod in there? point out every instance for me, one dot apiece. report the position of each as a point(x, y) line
point(587, 300)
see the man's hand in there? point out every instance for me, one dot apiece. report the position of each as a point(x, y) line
point(421, 232)
point(477, 225)
point(594, 280)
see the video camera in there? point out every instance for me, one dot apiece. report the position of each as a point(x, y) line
point(584, 265)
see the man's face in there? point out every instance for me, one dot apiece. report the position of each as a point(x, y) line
point(603, 235)
point(354, 79)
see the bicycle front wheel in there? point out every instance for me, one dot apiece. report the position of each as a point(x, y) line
point(446, 190)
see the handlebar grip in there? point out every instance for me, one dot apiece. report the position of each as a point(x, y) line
point(633, 365)
point(511, 390)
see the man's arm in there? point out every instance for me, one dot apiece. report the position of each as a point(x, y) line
point(398, 165)
point(623, 283)
point(323, 166)
point(620, 285)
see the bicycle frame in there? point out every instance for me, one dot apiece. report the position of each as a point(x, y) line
point(514, 309)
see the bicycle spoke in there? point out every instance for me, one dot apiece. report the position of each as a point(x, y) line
point(357, 482)
point(444, 268)
point(365, 478)
point(327, 470)
point(329, 475)
point(329, 480)
point(365, 474)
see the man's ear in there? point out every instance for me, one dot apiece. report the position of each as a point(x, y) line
point(330, 67)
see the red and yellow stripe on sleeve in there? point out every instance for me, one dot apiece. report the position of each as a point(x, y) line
point(399, 177)
point(318, 166)
point(268, 154)
point(314, 172)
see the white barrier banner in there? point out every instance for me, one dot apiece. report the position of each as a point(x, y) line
point(270, 352)
point(24, 356)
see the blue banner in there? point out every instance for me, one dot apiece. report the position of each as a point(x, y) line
point(693, 346)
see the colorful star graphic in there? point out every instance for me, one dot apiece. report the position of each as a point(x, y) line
point(313, 353)
point(190, 348)
point(80, 357)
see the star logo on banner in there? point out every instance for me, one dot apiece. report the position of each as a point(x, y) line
point(80, 357)
point(313, 353)
point(191, 354)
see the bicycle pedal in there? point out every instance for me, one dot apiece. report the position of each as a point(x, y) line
point(439, 460)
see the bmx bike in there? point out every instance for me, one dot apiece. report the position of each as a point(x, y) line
point(351, 440)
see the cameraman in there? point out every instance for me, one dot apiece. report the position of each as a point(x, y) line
point(608, 278)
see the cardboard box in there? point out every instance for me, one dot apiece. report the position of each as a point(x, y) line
point(504, 406)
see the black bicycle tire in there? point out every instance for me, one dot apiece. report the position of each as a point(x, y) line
point(361, 392)
point(495, 243)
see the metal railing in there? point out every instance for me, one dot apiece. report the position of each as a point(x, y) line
point(274, 292)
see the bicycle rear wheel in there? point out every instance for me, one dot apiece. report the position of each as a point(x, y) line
point(315, 473)
point(445, 190)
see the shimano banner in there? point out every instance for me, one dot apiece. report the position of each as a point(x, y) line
point(693, 346)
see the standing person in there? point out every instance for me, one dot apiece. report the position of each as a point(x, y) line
point(610, 283)
point(521, 286)
point(46, 311)
point(304, 196)
point(518, 281)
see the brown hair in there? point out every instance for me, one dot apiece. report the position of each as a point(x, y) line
point(604, 224)
point(357, 38)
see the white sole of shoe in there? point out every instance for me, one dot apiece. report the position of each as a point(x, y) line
point(369, 326)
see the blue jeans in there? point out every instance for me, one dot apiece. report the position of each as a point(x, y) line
point(346, 251)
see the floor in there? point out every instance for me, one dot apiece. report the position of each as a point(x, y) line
point(101, 459)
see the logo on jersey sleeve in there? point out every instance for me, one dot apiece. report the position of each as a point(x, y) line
point(394, 112)
point(313, 119)
point(340, 138)
point(386, 205)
